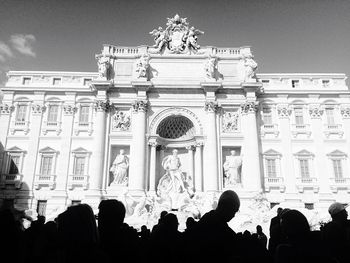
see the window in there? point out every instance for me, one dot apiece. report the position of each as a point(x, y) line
point(267, 116)
point(271, 167)
point(84, 115)
point(337, 168)
point(304, 168)
point(309, 206)
point(52, 115)
point(295, 83)
point(299, 116)
point(325, 83)
point(15, 164)
point(79, 165)
point(330, 116)
point(46, 165)
point(41, 207)
point(21, 114)
point(56, 81)
point(26, 81)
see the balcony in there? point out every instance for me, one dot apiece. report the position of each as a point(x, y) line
point(269, 129)
point(333, 129)
point(45, 181)
point(83, 127)
point(11, 180)
point(300, 129)
point(274, 183)
point(17, 125)
point(54, 126)
point(303, 183)
point(340, 184)
point(75, 181)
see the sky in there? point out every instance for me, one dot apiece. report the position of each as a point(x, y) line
point(286, 36)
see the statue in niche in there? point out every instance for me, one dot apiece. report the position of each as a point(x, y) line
point(211, 67)
point(121, 121)
point(142, 66)
point(172, 183)
point(232, 169)
point(160, 38)
point(120, 169)
point(250, 67)
point(230, 122)
point(103, 66)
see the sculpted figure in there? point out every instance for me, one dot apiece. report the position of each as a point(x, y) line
point(142, 66)
point(192, 37)
point(160, 38)
point(250, 67)
point(230, 122)
point(120, 169)
point(121, 121)
point(103, 66)
point(232, 167)
point(210, 67)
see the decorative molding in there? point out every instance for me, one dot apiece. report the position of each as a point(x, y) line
point(38, 109)
point(315, 111)
point(140, 105)
point(284, 111)
point(230, 122)
point(6, 109)
point(211, 106)
point(345, 111)
point(121, 121)
point(69, 109)
point(102, 105)
point(152, 143)
point(249, 107)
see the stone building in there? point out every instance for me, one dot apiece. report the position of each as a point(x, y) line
point(71, 137)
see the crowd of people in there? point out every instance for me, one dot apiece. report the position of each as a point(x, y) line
point(77, 235)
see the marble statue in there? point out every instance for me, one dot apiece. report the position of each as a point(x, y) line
point(160, 38)
point(121, 121)
point(232, 169)
point(120, 169)
point(142, 66)
point(250, 67)
point(103, 66)
point(210, 67)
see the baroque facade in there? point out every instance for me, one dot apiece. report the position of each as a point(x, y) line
point(170, 126)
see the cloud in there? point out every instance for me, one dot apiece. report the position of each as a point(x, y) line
point(23, 44)
point(5, 52)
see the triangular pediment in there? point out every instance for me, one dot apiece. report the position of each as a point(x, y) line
point(271, 152)
point(304, 153)
point(48, 150)
point(15, 149)
point(80, 150)
point(337, 153)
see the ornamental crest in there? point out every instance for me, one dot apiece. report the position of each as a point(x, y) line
point(177, 38)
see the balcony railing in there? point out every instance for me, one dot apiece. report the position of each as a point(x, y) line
point(17, 125)
point(340, 183)
point(269, 129)
point(53, 126)
point(307, 183)
point(301, 129)
point(11, 179)
point(78, 181)
point(20, 123)
point(333, 129)
point(274, 183)
point(43, 180)
point(83, 127)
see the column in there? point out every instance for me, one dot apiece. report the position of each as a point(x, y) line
point(152, 167)
point(211, 171)
point(101, 107)
point(190, 162)
point(251, 176)
point(138, 148)
point(198, 177)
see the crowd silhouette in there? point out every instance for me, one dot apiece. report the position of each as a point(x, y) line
point(77, 235)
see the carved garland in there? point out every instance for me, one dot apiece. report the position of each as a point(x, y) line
point(284, 111)
point(140, 105)
point(38, 109)
point(345, 112)
point(102, 105)
point(69, 109)
point(211, 106)
point(315, 112)
point(249, 107)
point(6, 109)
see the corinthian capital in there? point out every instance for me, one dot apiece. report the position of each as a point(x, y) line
point(102, 105)
point(211, 106)
point(284, 111)
point(6, 109)
point(249, 107)
point(315, 111)
point(345, 111)
point(140, 105)
point(69, 109)
point(38, 109)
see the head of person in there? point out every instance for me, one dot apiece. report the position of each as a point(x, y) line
point(77, 226)
point(233, 152)
point(174, 152)
point(279, 211)
point(338, 212)
point(170, 222)
point(294, 225)
point(259, 229)
point(228, 205)
point(121, 151)
point(111, 212)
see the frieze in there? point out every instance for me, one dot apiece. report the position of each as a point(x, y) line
point(121, 121)
point(177, 38)
point(230, 122)
point(6, 109)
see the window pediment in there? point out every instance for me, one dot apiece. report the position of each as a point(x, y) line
point(15, 149)
point(80, 150)
point(337, 153)
point(272, 152)
point(304, 153)
point(48, 150)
